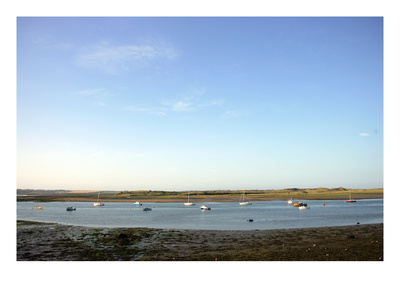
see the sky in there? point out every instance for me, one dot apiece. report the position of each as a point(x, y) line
point(186, 103)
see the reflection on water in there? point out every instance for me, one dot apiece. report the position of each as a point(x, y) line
point(222, 216)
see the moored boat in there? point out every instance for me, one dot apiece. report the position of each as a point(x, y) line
point(137, 203)
point(351, 200)
point(38, 207)
point(290, 201)
point(296, 204)
point(71, 208)
point(303, 207)
point(146, 209)
point(205, 207)
point(98, 203)
point(188, 203)
point(242, 201)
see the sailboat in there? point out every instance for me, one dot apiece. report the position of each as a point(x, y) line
point(242, 202)
point(350, 200)
point(98, 203)
point(188, 203)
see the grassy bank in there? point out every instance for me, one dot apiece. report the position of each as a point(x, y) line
point(179, 196)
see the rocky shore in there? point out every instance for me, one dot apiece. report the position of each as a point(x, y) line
point(56, 242)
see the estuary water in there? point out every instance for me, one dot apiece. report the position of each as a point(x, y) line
point(222, 216)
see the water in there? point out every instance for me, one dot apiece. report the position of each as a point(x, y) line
point(222, 216)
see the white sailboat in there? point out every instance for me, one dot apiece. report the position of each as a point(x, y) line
point(188, 203)
point(98, 203)
point(242, 201)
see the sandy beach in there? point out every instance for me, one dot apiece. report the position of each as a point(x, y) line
point(55, 242)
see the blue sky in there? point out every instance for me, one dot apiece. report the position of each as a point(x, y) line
point(199, 103)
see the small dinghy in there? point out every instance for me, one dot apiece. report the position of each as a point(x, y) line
point(304, 206)
point(205, 207)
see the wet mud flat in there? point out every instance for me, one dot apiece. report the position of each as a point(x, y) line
point(55, 242)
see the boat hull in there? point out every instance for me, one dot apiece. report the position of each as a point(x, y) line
point(303, 207)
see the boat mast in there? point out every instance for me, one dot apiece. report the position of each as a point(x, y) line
point(242, 197)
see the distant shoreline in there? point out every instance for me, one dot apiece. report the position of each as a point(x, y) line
point(178, 200)
point(199, 196)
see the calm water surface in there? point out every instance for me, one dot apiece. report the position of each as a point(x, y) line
point(222, 216)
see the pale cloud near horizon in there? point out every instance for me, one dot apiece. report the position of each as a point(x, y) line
point(99, 94)
point(114, 59)
point(190, 101)
point(187, 101)
point(364, 134)
point(234, 114)
point(90, 92)
point(150, 110)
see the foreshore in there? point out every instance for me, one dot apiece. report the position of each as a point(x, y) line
point(55, 242)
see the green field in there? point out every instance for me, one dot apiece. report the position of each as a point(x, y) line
point(317, 193)
point(221, 195)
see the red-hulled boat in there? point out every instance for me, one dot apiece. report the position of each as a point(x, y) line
point(351, 200)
